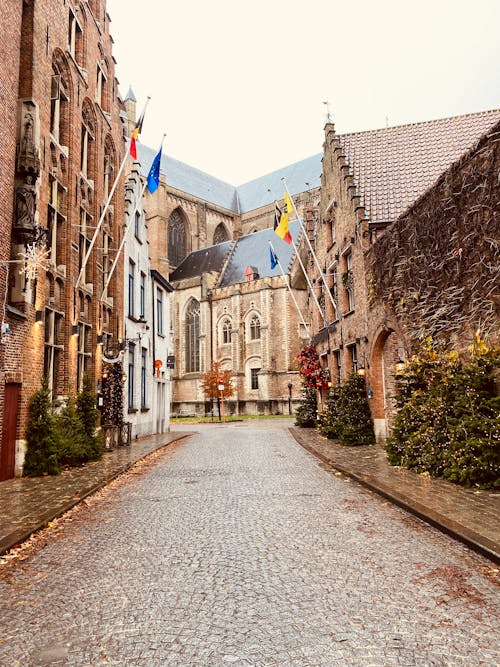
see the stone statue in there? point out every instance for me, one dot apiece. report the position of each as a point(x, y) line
point(26, 204)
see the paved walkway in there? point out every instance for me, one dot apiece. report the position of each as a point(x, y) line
point(472, 516)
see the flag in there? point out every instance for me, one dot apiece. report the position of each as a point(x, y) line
point(154, 173)
point(134, 135)
point(281, 222)
point(273, 257)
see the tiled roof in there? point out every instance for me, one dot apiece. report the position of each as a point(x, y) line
point(253, 250)
point(392, 167)
point(202, 261)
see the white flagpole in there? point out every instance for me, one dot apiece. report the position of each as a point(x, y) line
point(287, 282)
point(118, 252)
point(307, 279)
point(105, 209)
point(312, 251)
point(136, 207)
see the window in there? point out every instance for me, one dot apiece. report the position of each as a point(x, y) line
point(131, 288)
point(159, 311)
point(86, 146)
point(255, 328)
point(137, 229)
point(143, 377)
point(55, 218)
point(226, 332)
point(193, 337)
point(348, 280)
point(83, 242)
point(353, 357)
point(177, 238)
point(142, 297)
point(84, 353)
point(337, 366)
point(254, 378)
point(101, 91)
point(58, 106)
point(74, 37)
point(108, 171)
point(106, 263)
point(220, 234)
point(53, 348)
point(131, 372)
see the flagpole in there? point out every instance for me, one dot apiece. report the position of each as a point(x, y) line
point(311, 249)
point(136, 208)
point(307, 279)
point(290, 290)
point(115, 261)
point(104, 211)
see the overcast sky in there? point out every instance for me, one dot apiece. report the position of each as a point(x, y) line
point(238, 87)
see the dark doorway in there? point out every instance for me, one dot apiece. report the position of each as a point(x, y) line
point(10, 413)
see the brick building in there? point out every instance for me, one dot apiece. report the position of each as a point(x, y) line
point(69, 147)
point(370, 181)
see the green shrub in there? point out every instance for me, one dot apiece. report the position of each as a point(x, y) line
point(327, 421)
point(448, 422)
point(305, 414)
point(353, 421)
point(42, 436)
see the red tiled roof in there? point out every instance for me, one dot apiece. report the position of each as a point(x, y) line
point(394, 166)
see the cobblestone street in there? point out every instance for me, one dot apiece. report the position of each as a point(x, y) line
point(237, 548)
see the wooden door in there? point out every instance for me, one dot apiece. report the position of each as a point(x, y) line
point(10, 413)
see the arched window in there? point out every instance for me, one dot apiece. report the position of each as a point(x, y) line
point(255, 328)
point(220, 234)
point(177, 238)
point(193, 337)
point(226, 332)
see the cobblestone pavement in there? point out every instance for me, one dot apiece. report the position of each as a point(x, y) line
point(237, 548)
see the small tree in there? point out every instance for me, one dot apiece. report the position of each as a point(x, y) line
point(42, 455)
point(211, 379)
point(327, 422)
point(86, 407)
point(354, 423)
point(306, 413)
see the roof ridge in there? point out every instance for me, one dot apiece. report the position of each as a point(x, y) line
point(420, 122)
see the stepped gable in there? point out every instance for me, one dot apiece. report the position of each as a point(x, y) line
point(202, 261)
point(392, 167)
point(253, 250)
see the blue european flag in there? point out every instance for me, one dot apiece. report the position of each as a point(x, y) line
point(274, 258)
point(154, 173)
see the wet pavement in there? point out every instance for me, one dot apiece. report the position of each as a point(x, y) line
point(469, 515)
point(237, 547)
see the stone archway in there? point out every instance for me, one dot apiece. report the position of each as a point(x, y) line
point(387, 350)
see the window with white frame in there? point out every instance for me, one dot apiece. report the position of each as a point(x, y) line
point(131, 288)
point(142, 297)
point(348, 280)
point(159, 311)
point(254, 378)
point(53, 348)
point(75, 37)
point(58, 106)
point(55, 218)
point(131, 376)
point(144, 353)
point(84, 353)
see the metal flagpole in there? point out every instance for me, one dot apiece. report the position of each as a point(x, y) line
point(115, 261)
point(290, 290)
point(311, 249)
point(307, 279)
point(104, 211)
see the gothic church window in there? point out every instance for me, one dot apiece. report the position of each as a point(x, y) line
point(192, 324)
point(220, 234)
point(177, 238)
point(58, 106)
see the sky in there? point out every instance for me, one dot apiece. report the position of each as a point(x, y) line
point(239, 88)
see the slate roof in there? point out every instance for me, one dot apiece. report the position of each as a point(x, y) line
point(253, 250)
point(391, 167)
point(202, 261)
